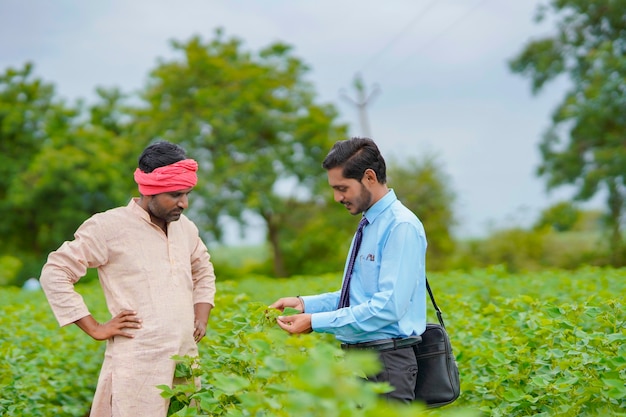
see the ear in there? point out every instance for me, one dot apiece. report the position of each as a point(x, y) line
point(143, 201)
point(370, 176)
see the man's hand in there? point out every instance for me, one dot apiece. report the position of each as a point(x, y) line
point(202, 311)
point(126, 319)
point(296, 324)
point(199, 330)
point(291, 302)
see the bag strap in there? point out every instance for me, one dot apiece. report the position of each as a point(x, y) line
point(432, 299)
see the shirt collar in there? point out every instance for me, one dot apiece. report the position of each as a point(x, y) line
point(138, 210)
point(381, 205)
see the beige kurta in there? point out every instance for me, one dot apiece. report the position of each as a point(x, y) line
point(140, 268)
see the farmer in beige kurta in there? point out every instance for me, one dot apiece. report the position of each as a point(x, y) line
point(157, 279)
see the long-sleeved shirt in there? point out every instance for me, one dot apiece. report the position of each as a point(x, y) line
point(140, 268)
point(387, 289)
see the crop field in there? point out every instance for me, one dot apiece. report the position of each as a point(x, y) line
point(551, 343)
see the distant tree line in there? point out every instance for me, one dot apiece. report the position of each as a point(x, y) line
point(251, 120)
point(585, 146)
point(259, 132)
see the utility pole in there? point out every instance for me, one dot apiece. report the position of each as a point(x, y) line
point(361, 102)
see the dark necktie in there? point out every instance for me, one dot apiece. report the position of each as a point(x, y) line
point(344, 300)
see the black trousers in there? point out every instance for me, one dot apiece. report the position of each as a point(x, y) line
point(400, 371)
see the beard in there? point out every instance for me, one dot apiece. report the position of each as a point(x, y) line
point(161, 213)
point(360, 203)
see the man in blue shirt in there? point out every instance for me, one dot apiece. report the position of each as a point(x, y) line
point(383, 307)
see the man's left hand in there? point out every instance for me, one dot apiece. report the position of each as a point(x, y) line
point(296, 324)
point(201, 312)
point(199, 330)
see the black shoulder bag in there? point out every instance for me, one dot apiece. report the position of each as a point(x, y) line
point(438, 381)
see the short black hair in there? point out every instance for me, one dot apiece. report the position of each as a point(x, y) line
point(160, 154)
point(356, 155)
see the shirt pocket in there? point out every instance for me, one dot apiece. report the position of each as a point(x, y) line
point(368, 271)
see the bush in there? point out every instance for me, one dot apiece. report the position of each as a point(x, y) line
point(10, 266)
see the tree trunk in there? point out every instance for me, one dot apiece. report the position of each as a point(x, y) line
point(274, 240)
point(616, 208)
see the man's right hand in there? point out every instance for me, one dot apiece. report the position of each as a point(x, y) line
point(291, 302)
point(127, 319)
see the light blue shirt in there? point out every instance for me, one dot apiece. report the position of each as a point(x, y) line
point(388, 286)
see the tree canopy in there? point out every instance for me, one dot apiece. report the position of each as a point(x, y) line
point(58, 164)
point(585, 147)
point(29, 117)
point(253, 123)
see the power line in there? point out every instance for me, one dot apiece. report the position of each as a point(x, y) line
point(440, 34)
point(413, 21)
point(363, 99)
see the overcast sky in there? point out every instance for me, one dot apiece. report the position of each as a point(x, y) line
point(440, 67)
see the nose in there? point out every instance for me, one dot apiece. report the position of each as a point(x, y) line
point(183, 201)
point(338, 196)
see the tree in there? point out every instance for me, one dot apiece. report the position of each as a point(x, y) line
point(586, 144)
point(560, 217)
point(320, 244)
point(84, 171)
point(252, 123)
point(29, 115)
point(59, 165)
point(423, 187)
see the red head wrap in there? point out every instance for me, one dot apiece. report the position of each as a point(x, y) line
point(173, 177)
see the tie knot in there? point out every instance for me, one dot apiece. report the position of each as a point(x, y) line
point(363, 222)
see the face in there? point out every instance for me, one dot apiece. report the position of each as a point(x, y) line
point(169, 206)
point(353, 194)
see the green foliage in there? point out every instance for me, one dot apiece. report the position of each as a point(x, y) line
point(9, 267)
point(549, 343)
point(73, 176)
point(46, 371)
point(555, 333)
point(29, 116)
point(26, 112)
point(589, 48)
point(560, 217)
point(237, 262)
point(518, 250)
point(251, 120)
point(423, 187)
point(56, 169)
point(515, 248)
point(570, 250)
point(257, 369)
point(315, 237)
point(589, 220)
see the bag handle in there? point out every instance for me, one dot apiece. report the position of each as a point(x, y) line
point(432, 299)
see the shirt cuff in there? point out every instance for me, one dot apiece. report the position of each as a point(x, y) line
point(307, 301)
point(320, 322)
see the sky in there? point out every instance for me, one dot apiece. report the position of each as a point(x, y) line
point(435, 72)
